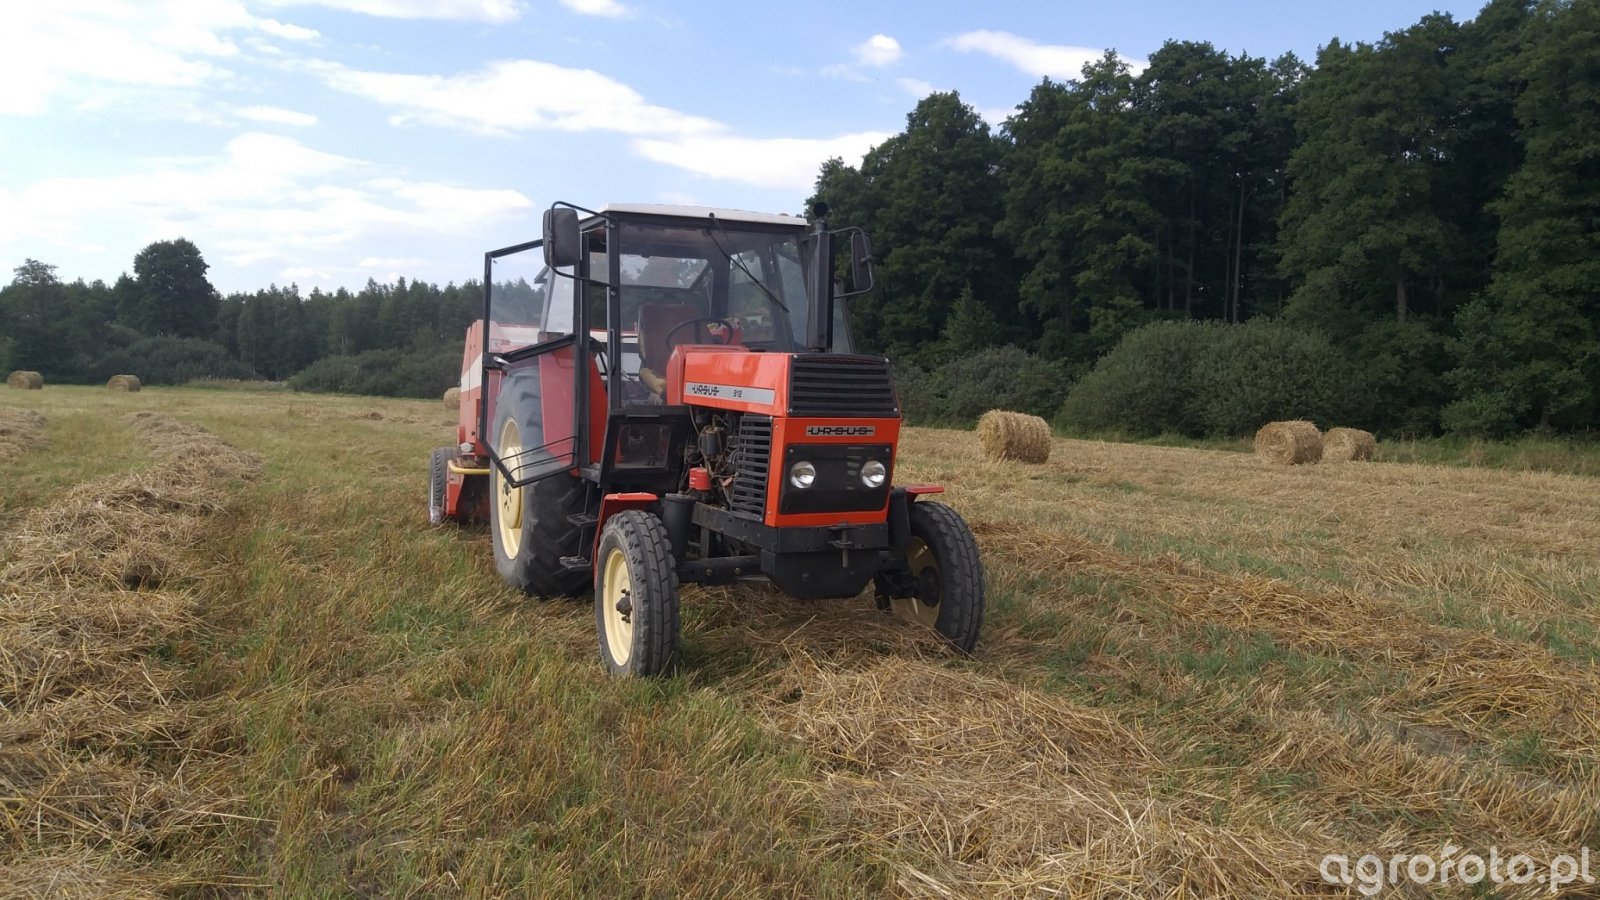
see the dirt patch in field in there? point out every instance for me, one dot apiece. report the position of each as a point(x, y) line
point(97, 728)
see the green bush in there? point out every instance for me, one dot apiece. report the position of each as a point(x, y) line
point(170, 360)
point(1199, 379)
point(383, 373)
point(1145, 386)
point(1403, 388)
point(1264, 371)
point(958, 392)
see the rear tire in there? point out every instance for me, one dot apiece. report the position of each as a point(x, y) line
point(438, 483)
point(943, 558)
point(636, 596)
point(528, 525)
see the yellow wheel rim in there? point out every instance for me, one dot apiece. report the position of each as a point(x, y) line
point(615, 597)
point(925, 569)
point(508, 498)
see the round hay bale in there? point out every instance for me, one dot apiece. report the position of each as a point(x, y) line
point(1012, 435)
point(124, 384)
point(1289, 443)
point(452, 398)
point(24, 380)
point(1348, 444)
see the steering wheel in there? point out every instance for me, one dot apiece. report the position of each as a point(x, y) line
point(727, 333)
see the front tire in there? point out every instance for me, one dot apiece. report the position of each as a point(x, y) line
point(944, 563)
point(529, 525)
point(636, 596)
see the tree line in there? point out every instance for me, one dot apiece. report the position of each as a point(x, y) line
point(1428, 205)
point(168, 324)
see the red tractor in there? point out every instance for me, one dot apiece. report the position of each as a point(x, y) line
point(668, 395)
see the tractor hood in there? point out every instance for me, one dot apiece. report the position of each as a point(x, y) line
point(834, 385)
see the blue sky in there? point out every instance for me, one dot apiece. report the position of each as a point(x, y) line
point(323, 142)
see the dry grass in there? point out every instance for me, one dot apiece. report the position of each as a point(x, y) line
point(97, 729)
point(21, 431)
point(1010, 435)
point(1200, 675)
point(1289, 443)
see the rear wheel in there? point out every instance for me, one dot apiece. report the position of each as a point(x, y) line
point(438, 480)
point(636, 595)
point(530, 526)
point(944, 564)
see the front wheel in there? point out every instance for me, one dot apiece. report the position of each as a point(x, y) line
point(944, 564)
point(636, 595)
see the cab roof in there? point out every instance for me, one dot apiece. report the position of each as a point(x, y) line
point(700, 212)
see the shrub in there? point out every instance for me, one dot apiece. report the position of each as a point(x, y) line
point(170, 360)
point(384, 373)
point(960, 391)
point(1401, 378)
point(1145, 385)
point(1264, 371)
point(1217, 380)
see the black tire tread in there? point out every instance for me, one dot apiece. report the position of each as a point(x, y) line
point(547, 534)
point(648, 551)
point(438, 476)
point(962, 593)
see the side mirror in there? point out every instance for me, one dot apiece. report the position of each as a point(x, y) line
point(861, 260)
point(561, 240)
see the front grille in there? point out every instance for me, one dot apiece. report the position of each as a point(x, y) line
point(752, 459)
point(834, 384)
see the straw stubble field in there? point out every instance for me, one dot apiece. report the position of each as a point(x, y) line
point(1199, 675)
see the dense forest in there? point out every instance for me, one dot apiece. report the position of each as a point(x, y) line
point(1412, 227)
point(1403, 236)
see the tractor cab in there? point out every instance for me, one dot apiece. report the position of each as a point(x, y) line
point(667, 394)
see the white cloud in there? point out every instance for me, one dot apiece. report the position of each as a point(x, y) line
point(996, 115)
point(277, 115)
point(305, 273)
point(515, 95)
point(608, 8)
point(768, 162)
point(916, 87)
point(263, 198)
point(390, 262)
point(878, 51)
point(469, 10)
point(44, 47)
point(1058, 61)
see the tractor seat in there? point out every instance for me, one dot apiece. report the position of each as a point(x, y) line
point(655, 323)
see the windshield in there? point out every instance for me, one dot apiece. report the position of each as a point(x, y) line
point(750, 277)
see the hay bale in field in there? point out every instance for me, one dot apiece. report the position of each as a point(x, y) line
point(1011, 435)
point(452, 398)
point(1348, 444)
point(1289, 443)
point(25, 381)
point(124, 383)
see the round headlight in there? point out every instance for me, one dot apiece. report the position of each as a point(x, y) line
point(802, 474)
point(873, 473)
